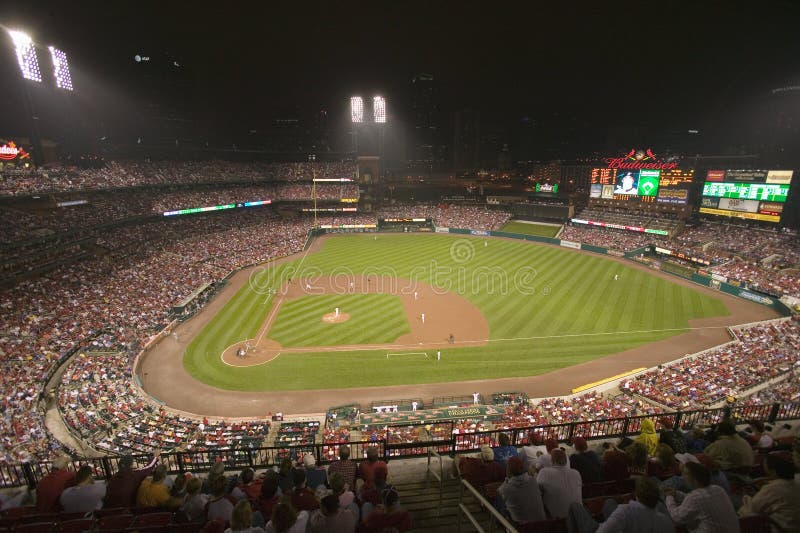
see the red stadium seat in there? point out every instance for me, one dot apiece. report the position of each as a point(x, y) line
point(153, 519)
point(116, 522)
point(555, 525)
point(75, 526)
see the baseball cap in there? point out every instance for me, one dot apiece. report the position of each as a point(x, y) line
point(486, 453)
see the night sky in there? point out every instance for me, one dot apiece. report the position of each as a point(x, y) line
point(674, 63)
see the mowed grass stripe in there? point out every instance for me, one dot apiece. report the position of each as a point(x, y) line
point(374, 318)
point(583, 299)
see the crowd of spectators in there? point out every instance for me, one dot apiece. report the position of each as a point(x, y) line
point(128, 292)
point(763, 352)
point(762, 259)
point(613, 239)
point(450, 215)
point(121, 174)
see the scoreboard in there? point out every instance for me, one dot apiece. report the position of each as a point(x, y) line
point(748, 194)
point(668, 186)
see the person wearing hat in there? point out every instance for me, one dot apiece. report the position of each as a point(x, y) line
point(780, 498)
point(331, 518)
point(50, 487)
point(707, 508)
point(560, 485)
point(388, 516)
point(121, 487)
point(480, 471)
point(520, 494)
point(314, 476)
point(586, 461)
point(648, 436)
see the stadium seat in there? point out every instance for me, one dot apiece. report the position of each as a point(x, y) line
point(601, 488)
point(100, 513)
point(555, 525)
point(36, 527)
point(75, 526)
point(161, 518)
point(38, 518)
point(189, 527)
point(755, 524)
point(116, 522)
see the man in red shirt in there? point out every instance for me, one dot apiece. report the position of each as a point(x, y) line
point(368, 467)
point(122, 487)
point(302, 498)
point(388, 516)
point(49, 489)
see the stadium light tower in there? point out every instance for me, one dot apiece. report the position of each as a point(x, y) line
point(26, 55)
point(60, 68)
point(379, 109)
point(356, 109)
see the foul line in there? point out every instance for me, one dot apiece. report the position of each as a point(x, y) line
point(443, 344)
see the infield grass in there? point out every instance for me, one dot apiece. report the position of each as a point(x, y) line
point(565, 310)
point(374, 319)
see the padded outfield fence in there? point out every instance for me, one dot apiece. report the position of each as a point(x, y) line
point(430, 438)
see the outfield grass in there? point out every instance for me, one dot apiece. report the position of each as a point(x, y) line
point(525, 228)
point(569, 310)
point(374, 319)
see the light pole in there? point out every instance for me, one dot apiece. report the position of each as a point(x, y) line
point(312, 158)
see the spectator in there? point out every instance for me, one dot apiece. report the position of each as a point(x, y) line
point(315, 476)
point(269, 496)
point(389, 516)
point(195, 504)
point(637, 456)
point(242, 519)
point(302, 498)
point(520, 494)
point(616, 462)
point(347, 468)
point(730, 450)
point(121, 488)
point(780, 498)
point(641, 514)
point(648, 436)
point(248, 486)
point(504, 450)
point(663, 465)
point(672, 438)
point(286, 520)
point(153, 491)
point(367, 468)
point(219, 505)
point(586, 462)
point(340, 490)
point(480, 471)
point(86, 495)
point(531, 452)
point(707, 508)
point(560, 485)
point(331, 518)
point(49, 489)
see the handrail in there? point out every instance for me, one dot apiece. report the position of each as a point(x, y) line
point(484, 503)
point(438, 477)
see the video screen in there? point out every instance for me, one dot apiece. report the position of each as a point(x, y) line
point(749, 194)
point(627, 183)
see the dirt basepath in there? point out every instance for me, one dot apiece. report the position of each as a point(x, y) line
point(163, 376)
point(430, 312)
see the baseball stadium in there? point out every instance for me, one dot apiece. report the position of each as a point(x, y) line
point(260, 338)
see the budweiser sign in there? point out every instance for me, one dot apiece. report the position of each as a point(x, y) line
point(637, 160)
point(10, 151)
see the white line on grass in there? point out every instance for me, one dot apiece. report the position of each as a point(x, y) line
point(373, 347)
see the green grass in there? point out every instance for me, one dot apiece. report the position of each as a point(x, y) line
point(540, 230)
point(568, 310)
point(374, 319)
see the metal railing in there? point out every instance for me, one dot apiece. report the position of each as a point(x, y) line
point(423, 443)
point(439, 477)
point(494, 514)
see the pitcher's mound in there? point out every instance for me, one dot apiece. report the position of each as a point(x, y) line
point(331, 318)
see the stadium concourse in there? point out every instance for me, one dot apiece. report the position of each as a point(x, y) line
point(111, 271)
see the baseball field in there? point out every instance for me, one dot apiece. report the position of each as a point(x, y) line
point(350, 314)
